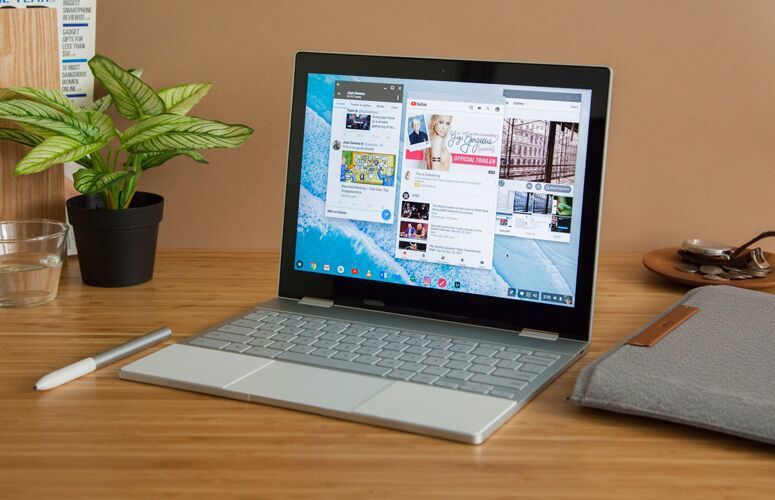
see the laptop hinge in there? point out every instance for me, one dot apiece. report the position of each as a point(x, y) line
point(538, 334)
point(312, 301)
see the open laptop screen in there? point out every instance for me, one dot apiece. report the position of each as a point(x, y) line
point(467, 187)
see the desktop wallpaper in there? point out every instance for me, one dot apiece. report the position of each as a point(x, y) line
point(518, 263)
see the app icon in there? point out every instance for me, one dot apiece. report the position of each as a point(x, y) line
point(512, 292)
point(457, 284)
point(354, 270)
point(340, 269)
point(426, 281)
point(313, 265)
point(442, 283)
point(299, 263)
point(368, 273)
point(412, 278)
point(326, 267)
point(386, 214)
point(383, 275)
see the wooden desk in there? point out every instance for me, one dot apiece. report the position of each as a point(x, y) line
point(102, 437)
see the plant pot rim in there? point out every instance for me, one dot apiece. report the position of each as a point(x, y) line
point(146, 210)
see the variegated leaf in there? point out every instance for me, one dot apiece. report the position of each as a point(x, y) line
point(44, 117)
point(52, 151)
point(133, 98)
point(20, 136)
point(52, 97)
point(87, 180)
point(180, 99)
point(150, 160)
point(174, 133)
point(104, 102)
point(106, 129)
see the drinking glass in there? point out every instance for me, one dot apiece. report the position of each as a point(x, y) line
point(31, 255)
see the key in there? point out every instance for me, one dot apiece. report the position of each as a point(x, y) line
point(285, 337)
point(484, 360)
point(324, 353)
point(263, 334)
point(274, 319)
point(236, 347)
point(345, 347)
point(420, 351)
point(508, 355)
point(471, 387)
point(228, 337)
point(547, 355)
point(459, 375)
point(481, 369)
point(303, 340)
point(386, 331)
point(457, 365)
point(366, 359)
point(332, 336)
point(333, 363)
point(499, 381)
point(500, 372)
point(424, 379)
point(293, 323)
point(324, 344)
point(412, 358)
point(439, 353)
point(400, 374)
point(413, 367)
point(533, 368)
point(432, 361)
point(461, 348)
point(334, 328)
point(345, 356)
point(263, 352)
point(374, 335)
point(418, 342)
point(352, 339)
point(395, 346)
point(509, 365)
point(355, 330)
point(451, 384)
point(368, 350)
point(461, 356)
point(290, 330)
point(537, 361)
point(388, 354)
point(253, 325)
point(396, 338)
point(314, 325)
point(289, 316)
point(492, 346)
point(303, 349)
point(266, 312)
point(439, 344)
point(390, 363)
point(435, 370)
point(461, 341)
point(260, 342)
point(270, 327)
point(239, 330)
point(255, 317)
point(332, 322)
point(374, 343)
point(212, 343)
point(518, 351)
point(483, 351)
point(282, 346)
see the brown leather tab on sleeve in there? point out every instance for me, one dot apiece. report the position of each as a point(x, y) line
point(665, 325)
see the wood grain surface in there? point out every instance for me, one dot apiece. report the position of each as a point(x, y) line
point(101, 437)
point(29, 57)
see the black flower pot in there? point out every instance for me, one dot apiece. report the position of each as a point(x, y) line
point(116, 247)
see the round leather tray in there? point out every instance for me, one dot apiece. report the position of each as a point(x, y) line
point(663, 261)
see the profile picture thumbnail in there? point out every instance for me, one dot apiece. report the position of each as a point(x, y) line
point(417, 130)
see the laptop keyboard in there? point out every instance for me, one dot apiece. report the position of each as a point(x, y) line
point(484, 368)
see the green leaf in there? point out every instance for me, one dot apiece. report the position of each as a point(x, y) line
point(104, 102)
point(87, 180)
point(150, 160)
point(52, 151)
point(46, 118)
point(106, 129)
point(133, 98)
point(51, 97)
point(20, 136)
point(180, 99)
point(174, 133)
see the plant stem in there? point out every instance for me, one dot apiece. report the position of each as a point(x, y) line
point(130, 185)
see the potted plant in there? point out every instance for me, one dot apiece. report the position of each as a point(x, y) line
point(115, 225)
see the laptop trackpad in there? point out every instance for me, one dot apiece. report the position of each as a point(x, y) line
point(308, 386)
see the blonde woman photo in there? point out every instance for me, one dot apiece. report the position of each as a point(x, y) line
point(438, 156)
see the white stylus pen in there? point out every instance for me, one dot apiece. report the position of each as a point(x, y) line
point(88, 365)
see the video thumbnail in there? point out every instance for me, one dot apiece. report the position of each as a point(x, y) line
point(415, 210)
point(358, 122)
point(412, 245)
point(413, 230)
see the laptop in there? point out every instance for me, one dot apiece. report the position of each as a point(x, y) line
point(439, 247)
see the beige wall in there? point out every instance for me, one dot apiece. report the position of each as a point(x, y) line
point(692, 139)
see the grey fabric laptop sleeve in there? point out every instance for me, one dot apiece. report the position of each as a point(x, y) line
point(716, 370)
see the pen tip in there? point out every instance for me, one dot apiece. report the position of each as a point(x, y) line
point(34, 387)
